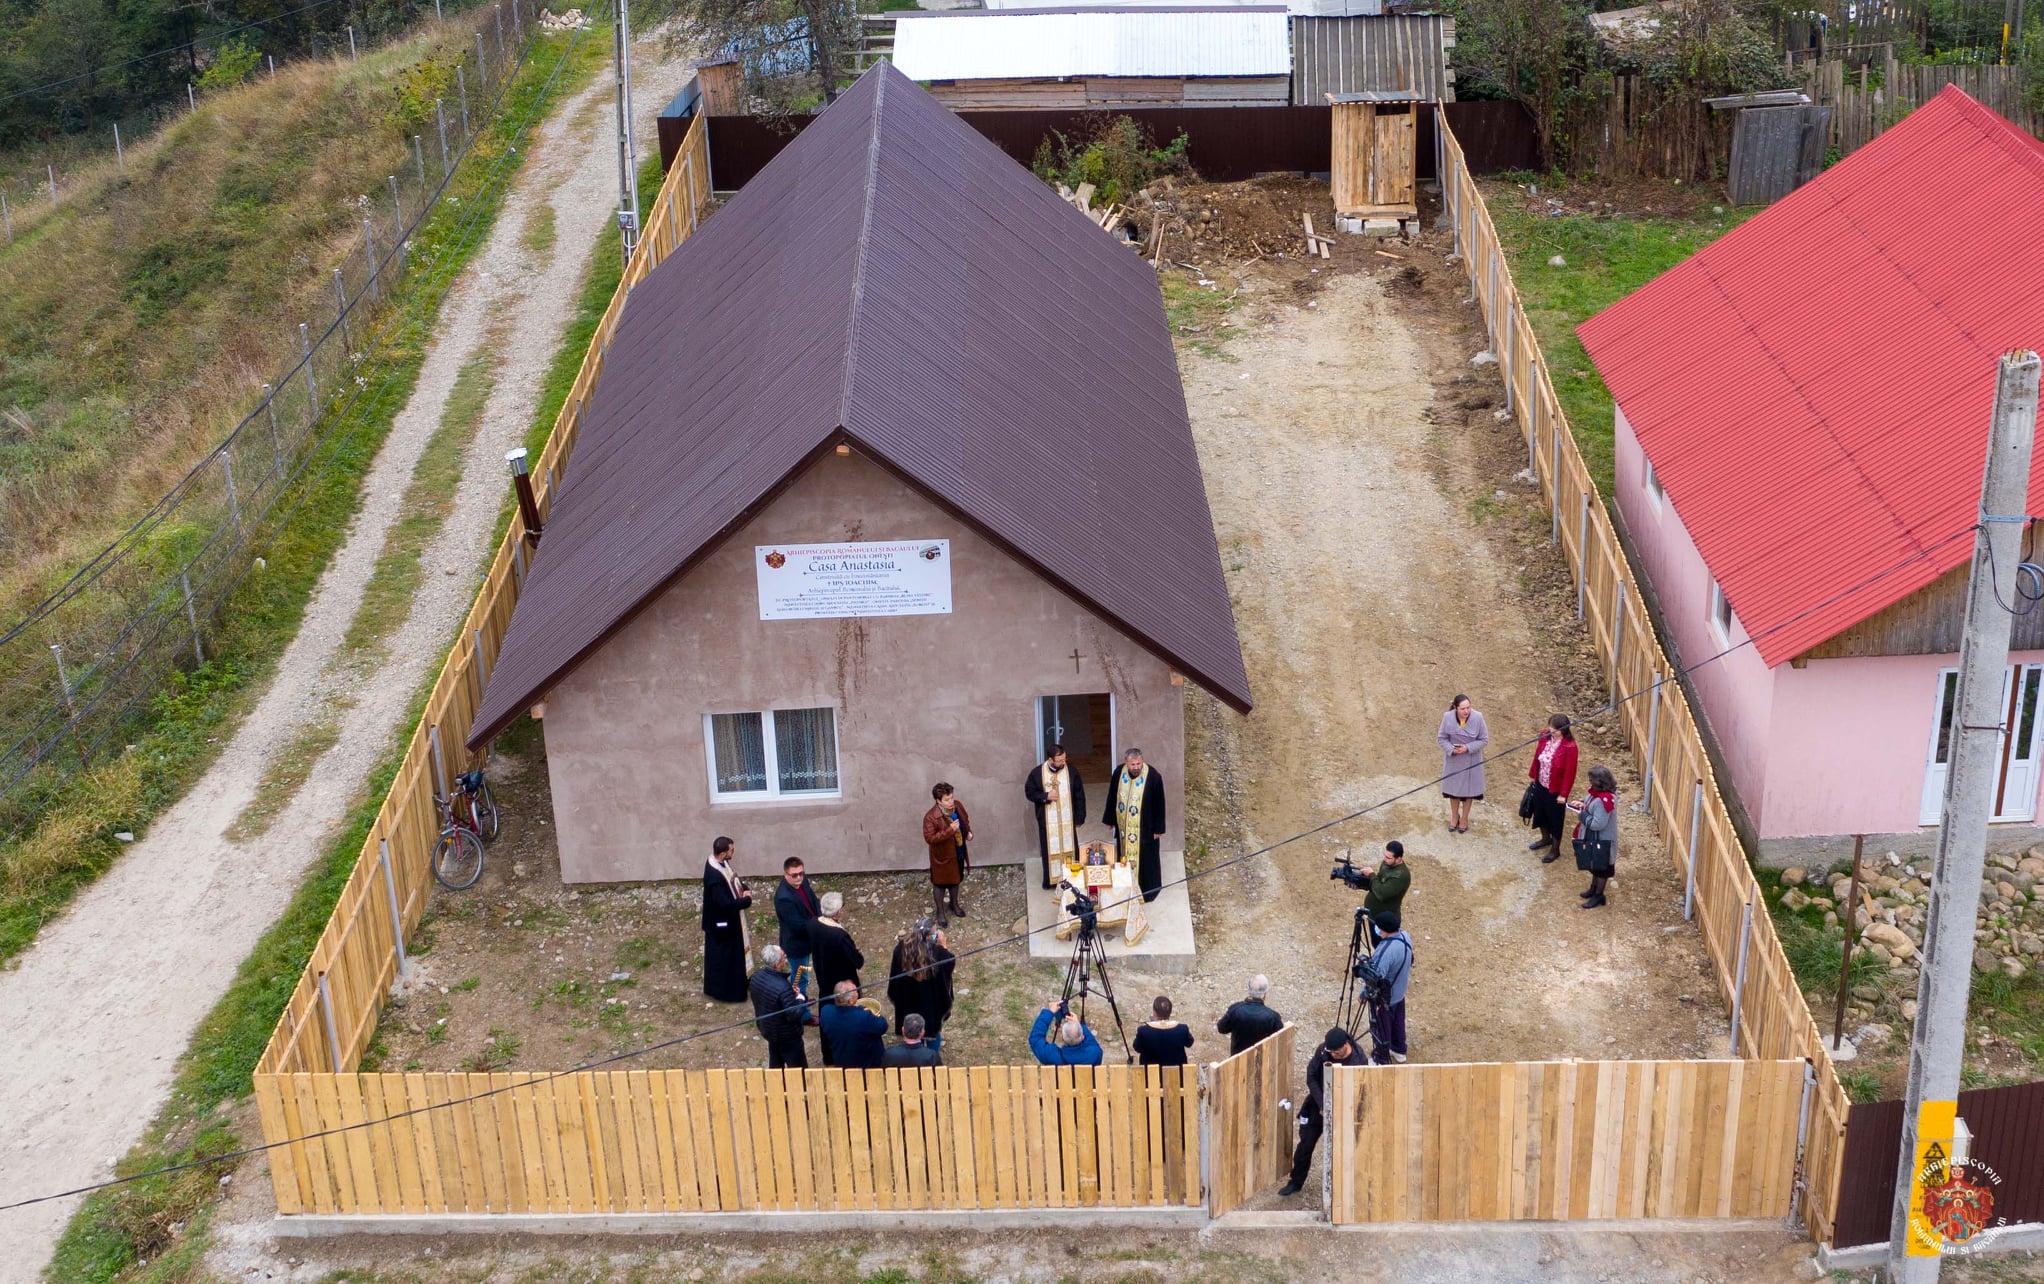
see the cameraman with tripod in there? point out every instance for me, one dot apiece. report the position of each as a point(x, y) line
point(1391, 963)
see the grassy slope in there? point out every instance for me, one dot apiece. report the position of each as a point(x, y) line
point(118, 1230)
point(1609, 256)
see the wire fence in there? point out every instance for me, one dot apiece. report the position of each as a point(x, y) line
point(68, 167)
point(77, 670)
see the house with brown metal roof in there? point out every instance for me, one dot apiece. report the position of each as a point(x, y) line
point(887, 480)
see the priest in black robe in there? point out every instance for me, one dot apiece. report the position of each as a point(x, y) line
point(725, 901)
point(1135, 809)
point(1053, 787)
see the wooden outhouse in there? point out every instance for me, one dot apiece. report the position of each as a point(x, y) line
point(1375, 146)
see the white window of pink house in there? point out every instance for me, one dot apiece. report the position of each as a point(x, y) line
point(1653, 485)
point(785, 754)
point(2019, 750)
point(1720, 613)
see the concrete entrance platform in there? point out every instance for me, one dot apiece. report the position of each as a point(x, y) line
point(1167, 947)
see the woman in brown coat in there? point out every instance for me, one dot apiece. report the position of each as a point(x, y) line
point(947, 829)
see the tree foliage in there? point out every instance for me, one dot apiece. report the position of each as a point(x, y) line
point(793, 51)
point(1534, 52)
point(1709, 49)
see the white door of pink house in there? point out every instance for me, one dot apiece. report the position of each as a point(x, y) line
point(2020, 759)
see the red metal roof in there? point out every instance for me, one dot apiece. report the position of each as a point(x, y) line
point(1814, 387)
point(892, 279)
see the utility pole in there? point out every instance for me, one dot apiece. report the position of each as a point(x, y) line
point(1937, 1048)
point(627, 157)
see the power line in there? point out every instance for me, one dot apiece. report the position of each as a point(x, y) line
point(1013, 938)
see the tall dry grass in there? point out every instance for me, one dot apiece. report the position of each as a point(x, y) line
point(139, 319)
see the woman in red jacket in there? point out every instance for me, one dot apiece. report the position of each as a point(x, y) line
point(1553, 774)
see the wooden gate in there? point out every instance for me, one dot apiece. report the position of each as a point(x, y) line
point(1248, 1134)
point(1563, 1140)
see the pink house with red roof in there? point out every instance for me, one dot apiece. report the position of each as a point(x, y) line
point(1802, 413)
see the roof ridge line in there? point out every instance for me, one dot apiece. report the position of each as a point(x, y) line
point(844, 392)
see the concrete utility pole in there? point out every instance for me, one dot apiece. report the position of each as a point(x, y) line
point(627, 157)
point(1938, 1047)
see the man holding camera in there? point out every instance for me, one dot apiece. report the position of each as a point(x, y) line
point(1391, 960)
point(1075, 1045)
point(1387, 881)
point(1337, 1049)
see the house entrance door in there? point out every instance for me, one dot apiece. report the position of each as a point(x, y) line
point(1084, 725)
point(2018, 756)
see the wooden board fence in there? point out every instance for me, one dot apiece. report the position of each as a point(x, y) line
point(1249, 1136)
point(706, 1141)
point(332, 1012)
point(1769, 1016)
point(1865, 109)
point(1563, 1140)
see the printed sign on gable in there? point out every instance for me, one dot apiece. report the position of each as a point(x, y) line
point(835, 581)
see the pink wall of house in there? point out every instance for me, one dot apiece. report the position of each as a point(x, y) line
point(1737, 690)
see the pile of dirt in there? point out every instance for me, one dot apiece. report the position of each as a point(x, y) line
point(1209, 223)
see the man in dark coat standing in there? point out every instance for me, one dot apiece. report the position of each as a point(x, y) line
point(725, 901)
point(1135, 808)
point(1336, 1049)
point(836, 956)
point(1053, 787)
point(796, 907)
point(853, 1036)
point(777, 1011)
point(1251, 1021)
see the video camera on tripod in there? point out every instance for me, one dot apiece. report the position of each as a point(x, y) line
point(1345, 870)
point(1089, 963)
point(1083, 907)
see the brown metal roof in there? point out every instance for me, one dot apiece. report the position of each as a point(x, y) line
point(891, 279)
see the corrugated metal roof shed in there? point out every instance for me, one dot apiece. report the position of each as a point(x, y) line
point(989, 44)
point(1406, 54)
point(892, 280)
point(1813, 388)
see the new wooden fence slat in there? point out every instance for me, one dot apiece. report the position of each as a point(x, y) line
point(799, 1162)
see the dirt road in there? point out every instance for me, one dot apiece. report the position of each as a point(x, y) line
point(98, 1012)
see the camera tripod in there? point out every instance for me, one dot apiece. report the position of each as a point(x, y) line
point(1089, 960)
point(1354, 1008)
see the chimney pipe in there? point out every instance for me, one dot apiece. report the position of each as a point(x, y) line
point(528, 505)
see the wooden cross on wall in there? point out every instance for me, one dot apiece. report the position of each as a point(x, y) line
point(1076, 657)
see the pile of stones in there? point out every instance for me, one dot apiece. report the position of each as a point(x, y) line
point(2008, 936)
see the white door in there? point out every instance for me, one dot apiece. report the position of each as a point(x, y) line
point(2017, 748)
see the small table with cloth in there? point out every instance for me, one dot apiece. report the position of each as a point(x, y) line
point(1110, 881)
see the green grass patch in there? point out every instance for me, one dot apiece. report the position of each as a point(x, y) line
point(1608, 255)
point(1198, 314)
point(117, 1230)
point(540, 231)
point(285, 774)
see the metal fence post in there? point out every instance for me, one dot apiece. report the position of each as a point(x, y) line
point(397, 210)
point(439, 763)
point(341, 307)
point(482, 672)
point(436, 10)
point(70, 705)
point(351, 44)
point(1695, 829)
point(1617, 637)
point(500, 31)
point(397, 920)
point(1802, 1178)
point(440, 114)
point(1511, 361)
point(120, 153)
point(1554, 496)
point(333, 1033)
point(233, 503)
point(482, 74)
point(461, 83)
point(276, 438)
point(1653, 731)
point(52, 171)
point(273, 64)
point(311, 379)
point(1533, 445)
point(7, 216)
point(369, 252)
point(191, 96)
point(1582, 553)
point(419, 156)
point(517, 26)
point(1739, 979)
point(184, 580)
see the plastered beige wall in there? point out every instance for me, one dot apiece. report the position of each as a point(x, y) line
point(919, 699)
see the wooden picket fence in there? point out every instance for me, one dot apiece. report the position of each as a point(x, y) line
point(1864, 109)
point(1563, 1140)
point(707, 1141)
point(1249, 1134)
point(332, 1013)
point(1770, 1019)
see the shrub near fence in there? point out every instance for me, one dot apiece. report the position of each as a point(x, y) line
point(1770, 1019)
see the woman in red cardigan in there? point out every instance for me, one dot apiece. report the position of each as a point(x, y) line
point(1553, 774)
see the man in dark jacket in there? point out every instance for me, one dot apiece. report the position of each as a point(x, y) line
point(1387, 881)
point(852, 1036)
point(1074, 1044)
point(833, 953)
point(1341, 1050)
point(796, 907)
point(912, 1050)
point(1251, 1021)
point(777, 1011)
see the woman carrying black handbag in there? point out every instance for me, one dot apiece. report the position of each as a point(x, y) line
point(1596, 837)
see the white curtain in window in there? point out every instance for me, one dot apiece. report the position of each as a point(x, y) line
point(805, 745)
point(738, 750)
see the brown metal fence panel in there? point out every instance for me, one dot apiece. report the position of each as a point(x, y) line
point(2007, 1125)
point(1249, 1135)
point(709, 1141)
point(1563, 1140)
point(1769, 1017)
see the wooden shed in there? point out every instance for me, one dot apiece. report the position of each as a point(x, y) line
point(1374, 154)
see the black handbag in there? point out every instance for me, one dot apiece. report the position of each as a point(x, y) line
point(1593, 854)
point(1528, 801)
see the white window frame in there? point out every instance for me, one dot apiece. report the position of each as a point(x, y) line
point(1721, 615)
point(773, 791)
point(1652, 481)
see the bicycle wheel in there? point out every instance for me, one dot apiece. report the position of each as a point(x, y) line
point(482, 813)
point(457, 859)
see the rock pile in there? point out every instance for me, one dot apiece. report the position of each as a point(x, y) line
point(2008, 936)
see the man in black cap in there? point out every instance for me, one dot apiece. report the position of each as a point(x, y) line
point(1341, 1050)
point(1392, 956)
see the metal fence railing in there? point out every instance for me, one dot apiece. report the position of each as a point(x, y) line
point(76, 669)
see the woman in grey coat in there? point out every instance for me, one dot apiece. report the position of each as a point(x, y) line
point(1463, 738)
point(1598, 820)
